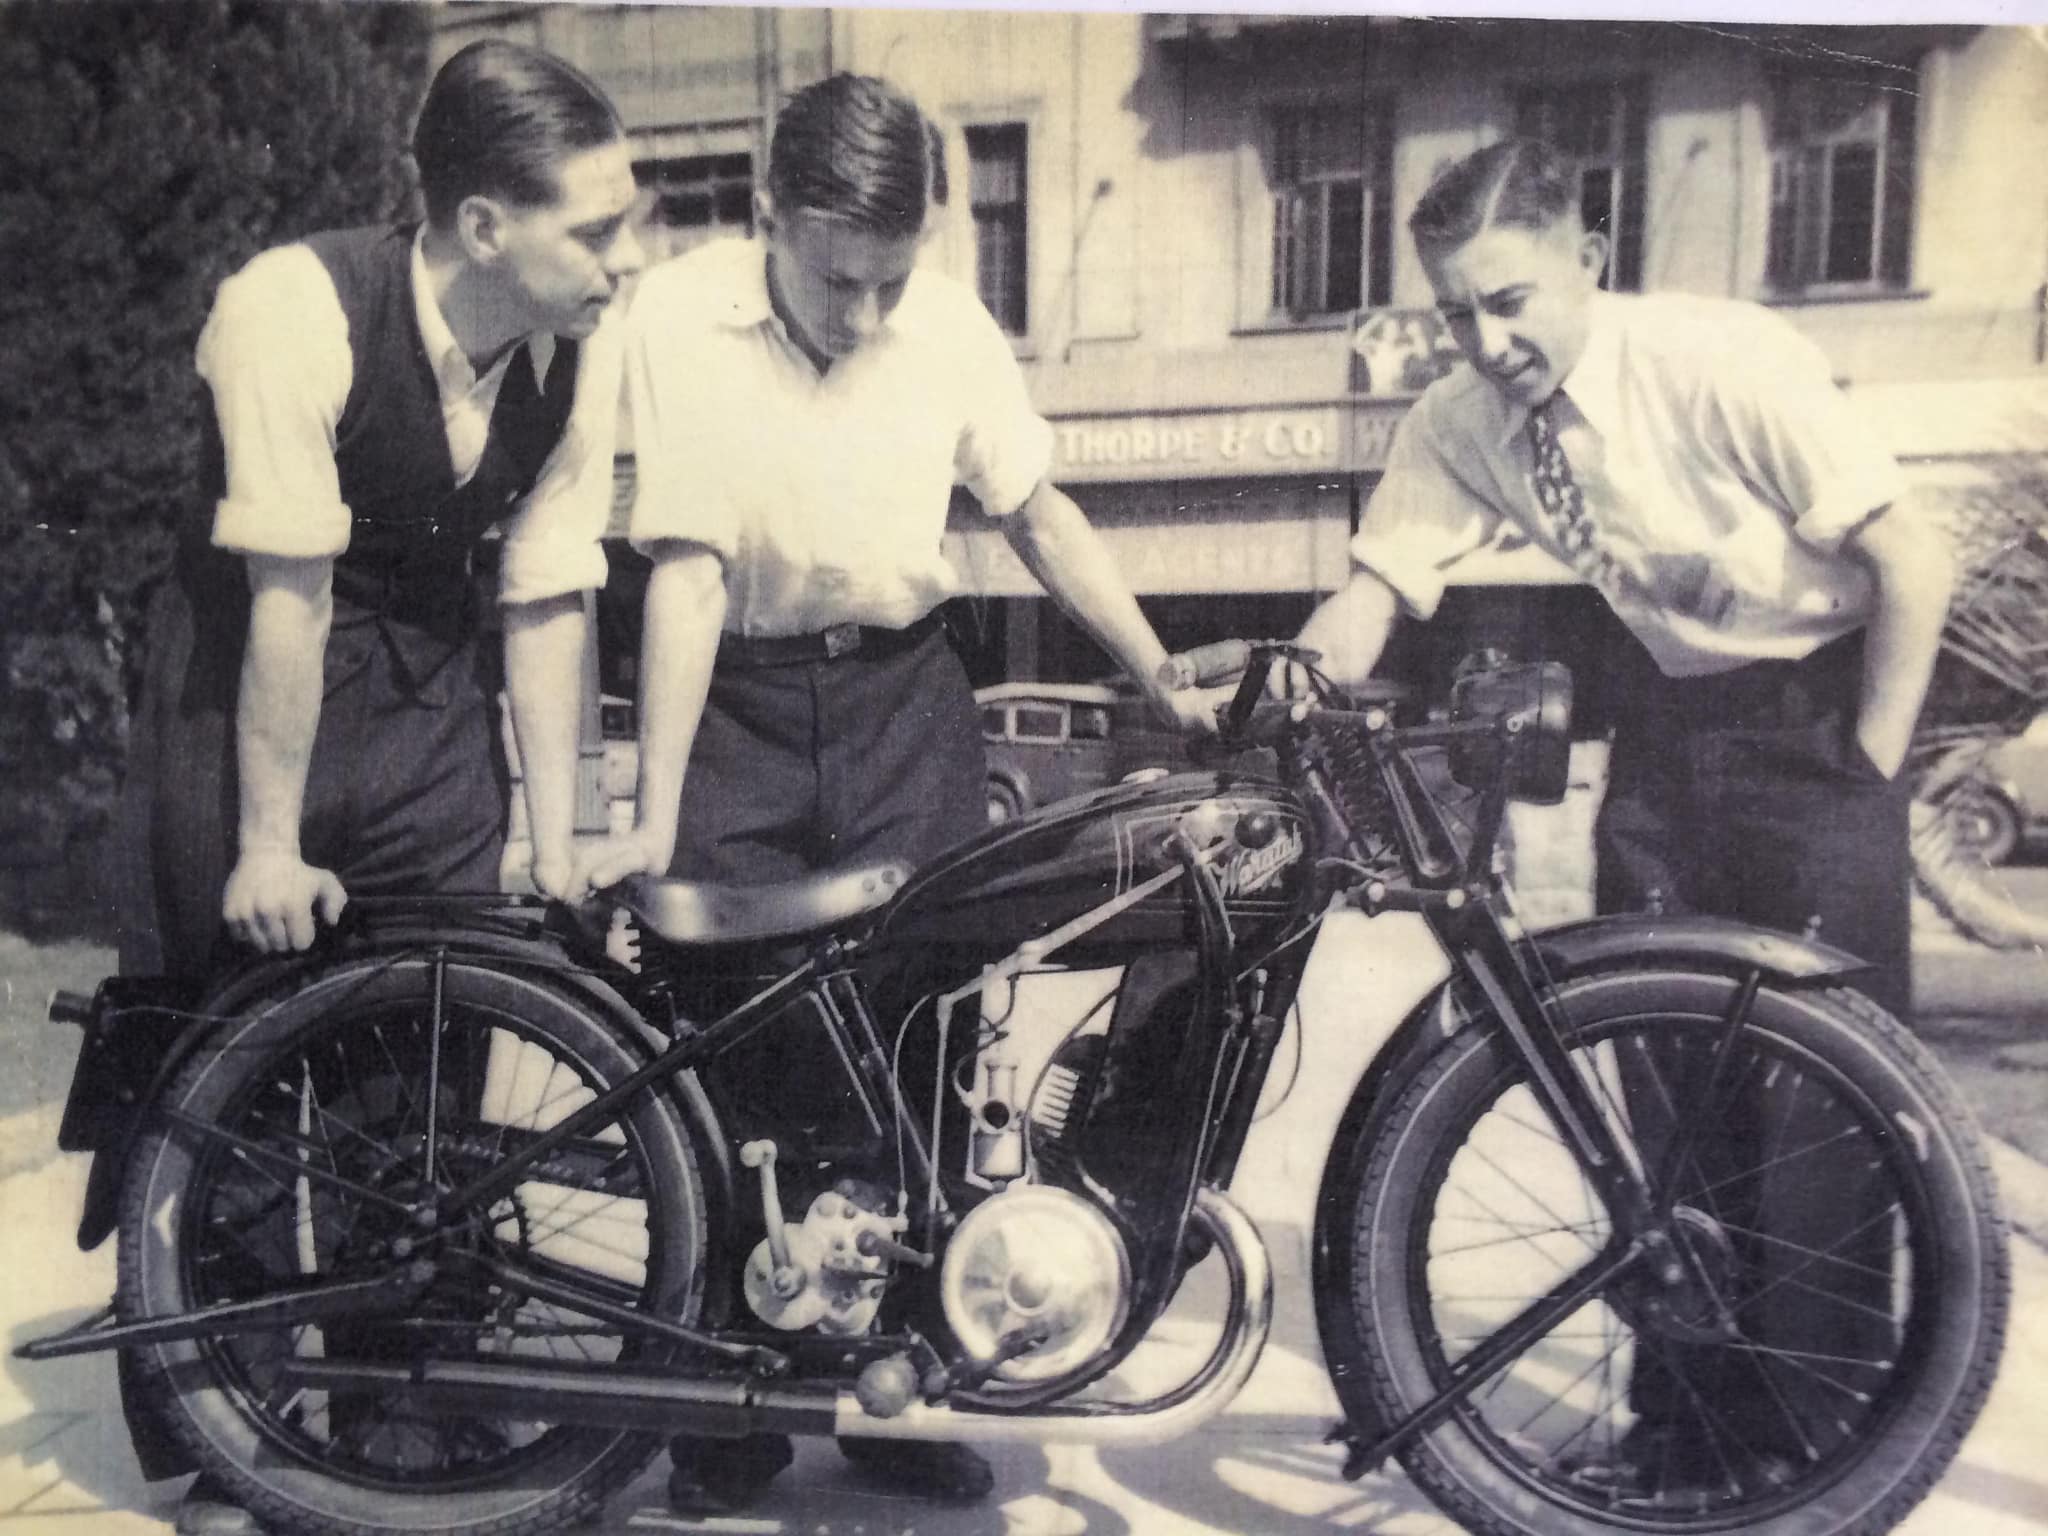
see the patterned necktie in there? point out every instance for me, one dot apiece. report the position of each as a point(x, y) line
point(1564, 504)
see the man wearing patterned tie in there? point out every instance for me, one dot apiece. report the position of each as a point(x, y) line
point(1693, 460)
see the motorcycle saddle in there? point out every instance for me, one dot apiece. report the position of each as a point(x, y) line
point(701, 912)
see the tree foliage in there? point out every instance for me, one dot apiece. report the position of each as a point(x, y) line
point(147, 149)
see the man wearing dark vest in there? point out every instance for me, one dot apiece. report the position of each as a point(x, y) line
point(318, 717)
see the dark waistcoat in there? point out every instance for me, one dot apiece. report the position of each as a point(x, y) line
point(413, 532)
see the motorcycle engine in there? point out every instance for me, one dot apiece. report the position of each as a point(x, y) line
point(1039, 1262)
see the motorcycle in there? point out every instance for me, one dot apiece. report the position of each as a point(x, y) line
point(442, 1225)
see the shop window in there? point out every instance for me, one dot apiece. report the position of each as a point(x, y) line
point(1600, 125)
point(1332, 210)
point(1841, 183)
point(692, 199)
point(997, 166)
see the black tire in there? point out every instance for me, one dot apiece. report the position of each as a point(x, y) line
point(1429, 1191)
point(337, 1069)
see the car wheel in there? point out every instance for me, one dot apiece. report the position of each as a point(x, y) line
point(1983, 823)
point(1005, 803)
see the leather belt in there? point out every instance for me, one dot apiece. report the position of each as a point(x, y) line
point(841, 640)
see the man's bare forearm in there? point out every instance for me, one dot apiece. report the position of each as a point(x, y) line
point(1053, 538)
point(291, 608)
point(1350, 628)
point(544, 644)
point(1914, 577)
point(685, 613)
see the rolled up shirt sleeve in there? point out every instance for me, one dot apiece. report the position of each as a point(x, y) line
point(679, 408)
point(1422, 518)
point(1798, 438)
point(554, 543)
point(275, 356)
point(1005, 446)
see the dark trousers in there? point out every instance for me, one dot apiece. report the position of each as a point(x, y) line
point(811, 765)
point(406, 789)
point(405, 793)
point(1746, 795)
point(819, 764)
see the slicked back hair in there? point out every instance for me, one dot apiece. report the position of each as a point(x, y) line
point(854, 147)
point(499, 120)
point(1522, 183)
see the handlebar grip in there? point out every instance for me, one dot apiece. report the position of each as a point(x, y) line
point(1205, 665)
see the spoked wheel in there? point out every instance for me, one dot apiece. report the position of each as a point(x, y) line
point(1805, 1364)
point(335, 1113)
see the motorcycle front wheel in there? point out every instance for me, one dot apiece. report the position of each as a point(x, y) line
point(1846, 1275)
point(343, 1077)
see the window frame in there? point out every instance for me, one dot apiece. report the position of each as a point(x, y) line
point(1373, 176)
point(655, 153)
point(1625, 162)
point(1797, 254)
point(1019, 210)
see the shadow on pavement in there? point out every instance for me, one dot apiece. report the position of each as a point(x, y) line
point(64, 1427)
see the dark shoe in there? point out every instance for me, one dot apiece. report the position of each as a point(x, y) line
point(927, 1469)
point(208, 1509)
point(721, 1477)
point(1655, 1463)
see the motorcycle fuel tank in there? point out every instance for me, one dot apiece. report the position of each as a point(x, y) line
point(1024, 878)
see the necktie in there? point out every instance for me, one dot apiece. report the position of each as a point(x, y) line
point(1564, 504)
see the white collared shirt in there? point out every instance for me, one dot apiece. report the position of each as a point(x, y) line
point(275, 354)
point(1720, 465)
point(824, 494)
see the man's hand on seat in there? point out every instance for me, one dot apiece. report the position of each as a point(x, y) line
point(610, 860)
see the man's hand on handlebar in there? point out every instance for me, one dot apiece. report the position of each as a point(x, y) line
point(1190, 710)
point(1231, 676)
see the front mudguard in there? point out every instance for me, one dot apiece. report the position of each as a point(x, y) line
point(1705, 943)
point(142, 1030)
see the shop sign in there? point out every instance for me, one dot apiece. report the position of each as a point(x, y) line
point(1200, 445)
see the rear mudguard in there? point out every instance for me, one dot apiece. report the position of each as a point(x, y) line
point(127, 1061)
point(1703, 943)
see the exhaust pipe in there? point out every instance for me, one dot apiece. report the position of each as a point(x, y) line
point(625, 1398)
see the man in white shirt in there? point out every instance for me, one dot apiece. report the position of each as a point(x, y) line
point(1693, 460)
point(318, 716)
point(803, 407)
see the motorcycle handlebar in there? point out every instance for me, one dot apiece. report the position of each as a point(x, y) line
point(1206, 665)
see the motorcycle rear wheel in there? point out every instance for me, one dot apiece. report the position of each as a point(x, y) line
point(1464, 1206)
point(335, 1072)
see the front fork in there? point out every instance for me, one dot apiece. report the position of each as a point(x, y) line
point(1488, 947)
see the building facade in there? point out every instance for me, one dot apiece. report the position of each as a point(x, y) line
point(1192, 226)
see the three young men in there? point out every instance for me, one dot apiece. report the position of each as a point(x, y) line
point(804, 404)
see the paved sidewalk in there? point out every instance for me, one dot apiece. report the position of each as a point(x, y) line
point(66, 1469)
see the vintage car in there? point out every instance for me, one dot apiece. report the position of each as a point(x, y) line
point(1047, 741)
